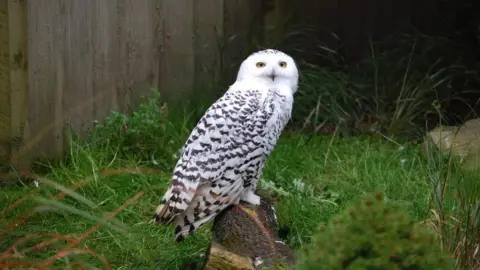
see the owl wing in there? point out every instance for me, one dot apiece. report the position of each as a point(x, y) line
point(210, 148)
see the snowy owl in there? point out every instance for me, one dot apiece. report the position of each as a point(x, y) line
point(222, 160)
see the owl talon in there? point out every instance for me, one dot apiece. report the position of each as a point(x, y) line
point(251, 198)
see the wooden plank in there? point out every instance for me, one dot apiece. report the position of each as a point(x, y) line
point(5, 128)
point(105, 62)
point(45, 27)
point(76, 65)
point(18, 78)
point(177, 67)
point(208, 25)
point(13, 79)
point(139, 39)
point(236, 35)
point(243, 22)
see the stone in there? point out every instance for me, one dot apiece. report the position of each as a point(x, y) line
point(463, 142)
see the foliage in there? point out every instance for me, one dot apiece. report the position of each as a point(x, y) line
point(404, 82)
point(104, 196)
point(373, 234)
point(325, 97)
point(94, 208)
point(455, 207)
point(150, 131)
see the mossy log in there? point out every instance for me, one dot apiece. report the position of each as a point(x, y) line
point(245, 237)
point(219, 258)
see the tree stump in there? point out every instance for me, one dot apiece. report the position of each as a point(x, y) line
point(245, 237)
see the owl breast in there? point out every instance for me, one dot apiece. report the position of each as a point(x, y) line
point(280, 107)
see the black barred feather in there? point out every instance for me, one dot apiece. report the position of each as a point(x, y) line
point(223, 158)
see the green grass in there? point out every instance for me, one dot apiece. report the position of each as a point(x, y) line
point(332, 171)
point(112, 188)
point(353, 167)
point(335, 171)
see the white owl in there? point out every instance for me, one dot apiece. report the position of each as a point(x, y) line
point(223, 158)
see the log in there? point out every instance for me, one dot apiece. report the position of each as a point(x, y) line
point(219, 258)
point(246, 237)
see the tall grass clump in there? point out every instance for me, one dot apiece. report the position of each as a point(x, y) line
point(454, 211)
point(410, 82)
point(326, 97)
point(394, 90)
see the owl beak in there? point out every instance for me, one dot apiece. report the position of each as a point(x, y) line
point(272, 75)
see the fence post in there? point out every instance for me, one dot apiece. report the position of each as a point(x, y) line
point(13, 79)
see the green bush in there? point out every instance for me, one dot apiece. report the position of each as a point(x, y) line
point(373, 234)
point(149, 131)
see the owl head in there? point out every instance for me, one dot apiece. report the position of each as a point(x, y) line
point(270, 66)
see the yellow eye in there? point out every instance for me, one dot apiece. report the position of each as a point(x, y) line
point(260, 64)
point(283, 64)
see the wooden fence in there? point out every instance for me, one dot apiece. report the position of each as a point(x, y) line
point(65, 63)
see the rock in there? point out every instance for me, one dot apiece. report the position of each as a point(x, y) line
point(244, 233)
point(464, 142)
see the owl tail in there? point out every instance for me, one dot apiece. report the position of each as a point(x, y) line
point(183, 226)
point(163, 214)
point(205, 207)
point(176, 200)
point(170, 206)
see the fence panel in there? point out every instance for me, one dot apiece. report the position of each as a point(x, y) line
point(80, 59)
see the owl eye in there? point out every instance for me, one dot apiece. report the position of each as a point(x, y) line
point(283, 64)
point(260, 64)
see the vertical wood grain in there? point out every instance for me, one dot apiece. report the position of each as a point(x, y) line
point(88, 57)
point(177, 67)
point(81, 59)
point(18, 77)
point(45, 31)
point(208, 38)
point(5, 128)
point(243, 22)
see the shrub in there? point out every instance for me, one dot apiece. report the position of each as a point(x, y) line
point(149, 131)
point(373, 234)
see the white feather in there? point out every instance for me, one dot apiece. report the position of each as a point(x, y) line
point(224, 155)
